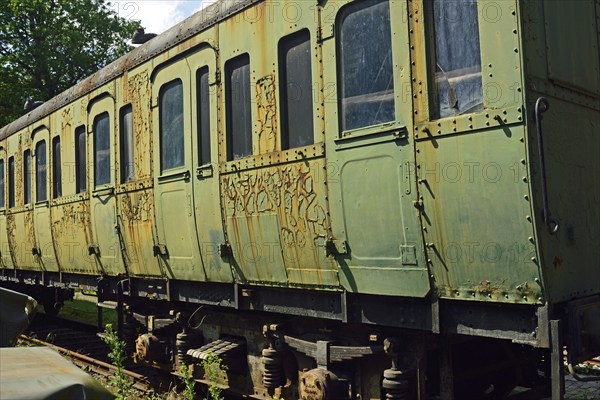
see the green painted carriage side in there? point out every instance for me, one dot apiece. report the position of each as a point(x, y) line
point(561, 42)
point(419, 204)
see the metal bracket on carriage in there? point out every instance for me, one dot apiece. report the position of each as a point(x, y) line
point(152, 323)
point(324, 352)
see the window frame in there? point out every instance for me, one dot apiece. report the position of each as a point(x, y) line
point(396, 122)
point(38, 182)
point(107, 160)
point(231, 64)
point(27, 177)
point(203, 115)
point(161, 156)
point(126, 147)
point(56, 168)
point(11, 182)
point(293, 40)
point(80, 167)
point(433, 106)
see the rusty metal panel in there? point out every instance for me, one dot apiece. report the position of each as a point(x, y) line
point(5, 255)
point(488, 255)
point(136, 223)
point(72, 237)
point(277, 224)
point(16, 313)
point(134, 88)
point(40, 373)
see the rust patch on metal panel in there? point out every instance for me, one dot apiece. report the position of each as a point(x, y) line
point(11, 232)
point(136, 221)
point(71, 231)
point(289, 192)
point(139, 92)
point(136, 207)
point(66, 121)
point(30, 235)
point(267, 114)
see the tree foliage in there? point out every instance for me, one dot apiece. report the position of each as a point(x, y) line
point(46, 46)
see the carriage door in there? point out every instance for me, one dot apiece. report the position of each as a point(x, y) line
point(206, 172)
point(101, 155)
point(173, 171)
point(44, 247)
point(376, 230)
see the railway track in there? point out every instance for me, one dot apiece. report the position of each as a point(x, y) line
point(80, 343)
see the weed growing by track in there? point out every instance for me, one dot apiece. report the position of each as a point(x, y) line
point(188, 381)
point(214, 371)
point(120, 381)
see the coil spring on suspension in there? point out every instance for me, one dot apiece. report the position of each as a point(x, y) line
point(396, 385)
point(183, 342)
point(273, 376)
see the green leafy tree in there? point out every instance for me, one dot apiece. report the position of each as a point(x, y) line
point(47, 46)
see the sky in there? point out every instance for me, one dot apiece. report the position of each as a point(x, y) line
point(157, 16)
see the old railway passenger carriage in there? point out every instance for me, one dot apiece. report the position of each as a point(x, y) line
point(341, 199)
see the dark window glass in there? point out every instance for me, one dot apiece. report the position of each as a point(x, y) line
point(296, 91)
point(27, 177)
point(56, 168)
point(11, 182)
point(80, 160)
point(366, 66)
point(41, 174)
point(172, 153)
point(457, 77)
point(203, 94)
point(238, 108)
point(1, 183)
point(126, 137)
point(101, 149)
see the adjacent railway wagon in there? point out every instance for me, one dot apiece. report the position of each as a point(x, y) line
point(340, 199)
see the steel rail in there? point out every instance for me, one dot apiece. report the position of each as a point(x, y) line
point(140, 382)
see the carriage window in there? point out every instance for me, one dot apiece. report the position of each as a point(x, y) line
point(80, 160)
point(365, 65)
point(456, 53)
point(296, 91)
point(41, 176)
point(101, 149)
point(11, 182)
point(27, 177)
point(203, 104)
point(171, 125)
point(1, 183)
point(238, 108)
point(126, 137)
point(56, 168)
